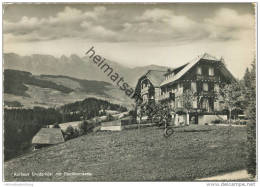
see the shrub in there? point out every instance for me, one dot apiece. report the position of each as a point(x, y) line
point(133, 113)
point(220, 121)
point(75, 133)
point(251, 142)
point(69, 133)
point(217, 121)
point(56, 125)
point(72, 133)
point(110, 117)
point(84, 126)
point(81, 132)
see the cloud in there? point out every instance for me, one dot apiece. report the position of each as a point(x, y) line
point(229, 25)
point(165, 25)
point(150, 25)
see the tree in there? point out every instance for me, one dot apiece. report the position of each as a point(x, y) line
point(247, 78)
point(141, 111)
point(250, 80)
point(188, 97)
point(156, 112)
point(223, 61)
point(230, 96)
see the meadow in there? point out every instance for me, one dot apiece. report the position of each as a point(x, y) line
point(137, 155)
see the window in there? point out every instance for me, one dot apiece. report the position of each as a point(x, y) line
point(180, 87)
point(216, 87)
point(144, 97)
point(211, 86)
point(211, 71)
point(194, 103)
point(179, 105)
point(205, 87)
point(205, 104)
point(194, 87)
point(198, 70)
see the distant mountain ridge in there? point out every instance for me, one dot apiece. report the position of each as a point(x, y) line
point(73, 66)
point(22, 88)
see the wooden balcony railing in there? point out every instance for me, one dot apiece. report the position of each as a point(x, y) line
point(167, 95)
point(210, 78)
point(207, 93)
point(144, 90)
point(164, 96)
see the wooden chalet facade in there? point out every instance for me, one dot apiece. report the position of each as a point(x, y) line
point(203, 75)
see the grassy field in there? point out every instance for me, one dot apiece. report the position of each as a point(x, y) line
point(137, 155)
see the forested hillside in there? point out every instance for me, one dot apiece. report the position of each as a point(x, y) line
point(20, 125)
point(14, 83)
point(23, 89)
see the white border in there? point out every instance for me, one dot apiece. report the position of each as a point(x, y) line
point(120, 184)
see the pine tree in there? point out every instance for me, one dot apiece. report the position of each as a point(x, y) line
point(251, 113)
point(247, 78)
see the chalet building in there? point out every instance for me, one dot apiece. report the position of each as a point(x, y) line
point(46, 137)
point(203, 75)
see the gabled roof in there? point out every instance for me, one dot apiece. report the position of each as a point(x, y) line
point(176, 70)
point(48, 136)
point(193, 62)
point(73, 124)
point(155, 76)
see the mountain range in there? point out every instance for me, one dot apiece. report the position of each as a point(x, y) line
point(47, 81)
point(73, 66)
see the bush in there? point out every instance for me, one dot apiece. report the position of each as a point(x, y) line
point(72, 133)
point(133, 113)
point(251, 142)
point(217, 121)
point(220, 121)
point(110, 117)
point(56, 125)
point(69, 133)
point(86, 126)
point(128, 121)
point(75, 133)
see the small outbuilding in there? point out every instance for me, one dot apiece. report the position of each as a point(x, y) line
point(117, 125)
point(46, 137)
point(73, 124)
point(111, 126)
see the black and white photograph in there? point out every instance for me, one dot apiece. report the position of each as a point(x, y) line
point(129, 92)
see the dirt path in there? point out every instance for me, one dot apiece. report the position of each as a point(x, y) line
point(236, 175)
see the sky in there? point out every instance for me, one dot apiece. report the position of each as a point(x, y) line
point(167, 34)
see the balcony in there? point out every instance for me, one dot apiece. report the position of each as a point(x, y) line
point(207, 93)
point(164, 96)
point(144, 90)
point(209, 78)
point(167, 95)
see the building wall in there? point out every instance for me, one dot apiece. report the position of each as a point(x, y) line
point(204, 81)
point(156, 94)
point(111, 125)
point(111, 128)
point(209, 118)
